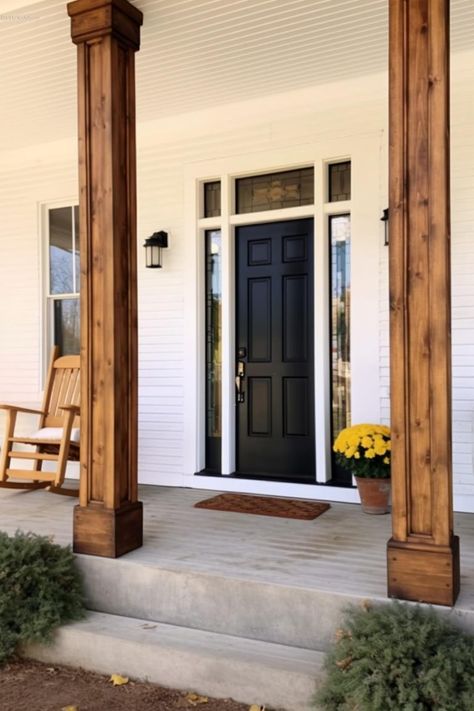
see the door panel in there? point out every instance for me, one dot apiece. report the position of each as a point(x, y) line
point(275, 342)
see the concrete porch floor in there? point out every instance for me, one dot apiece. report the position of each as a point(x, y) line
point(342, 551)
point(227, 604)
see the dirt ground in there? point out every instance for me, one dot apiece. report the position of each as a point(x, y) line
point(31, 686)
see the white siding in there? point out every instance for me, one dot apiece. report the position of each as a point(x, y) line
point(43, 174)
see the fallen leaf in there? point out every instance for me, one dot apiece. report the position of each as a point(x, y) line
point(344, 663)
point(342, 634)
point(148, 627)
point(196, 699)
point(69, 708)
point(118, 680)
point(256, 707)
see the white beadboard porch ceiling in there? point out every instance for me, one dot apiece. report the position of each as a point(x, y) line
point(195, 54)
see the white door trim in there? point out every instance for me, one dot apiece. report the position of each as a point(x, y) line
point(366, 233)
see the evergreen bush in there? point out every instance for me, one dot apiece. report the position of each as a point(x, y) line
point(398, 657)
point(40, 589)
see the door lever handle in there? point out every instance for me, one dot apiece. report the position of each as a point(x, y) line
point(238, 381)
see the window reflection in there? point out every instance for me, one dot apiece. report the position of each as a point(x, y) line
point(61, 253)
point(64, 278)
point(67, 325)
point(339, 235)
point(213, 350)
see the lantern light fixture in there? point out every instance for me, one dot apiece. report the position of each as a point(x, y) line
point(384, 219)
point(153, 249)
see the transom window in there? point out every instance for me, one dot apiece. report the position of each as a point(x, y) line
point(274, 191)
point(63, 277)
point(339, 181)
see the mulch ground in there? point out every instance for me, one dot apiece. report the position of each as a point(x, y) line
point(31, 686)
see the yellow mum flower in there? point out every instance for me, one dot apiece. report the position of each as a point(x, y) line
point(367, 442)
point(380, 448)
point(370, 453)
point(349, 452)
point(386, 460)
point(357, 455)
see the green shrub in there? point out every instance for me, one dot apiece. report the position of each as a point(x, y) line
point(400, 657)
point(40, 589)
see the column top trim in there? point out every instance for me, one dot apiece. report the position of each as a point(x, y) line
point(92, 19)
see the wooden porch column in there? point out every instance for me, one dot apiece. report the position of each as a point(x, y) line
point(423, 553)
point(108, 520)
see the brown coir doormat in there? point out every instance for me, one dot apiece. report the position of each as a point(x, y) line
point(264, 506)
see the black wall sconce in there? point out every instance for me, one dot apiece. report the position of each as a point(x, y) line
point(153, 247)
point(384, 219)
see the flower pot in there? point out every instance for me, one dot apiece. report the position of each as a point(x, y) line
point(374, 494)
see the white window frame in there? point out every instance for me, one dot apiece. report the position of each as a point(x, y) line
point(366, 235)
point(47, 299)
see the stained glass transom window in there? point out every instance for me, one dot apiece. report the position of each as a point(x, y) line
point(212, 199)
point(274, 191)
point(340, 181)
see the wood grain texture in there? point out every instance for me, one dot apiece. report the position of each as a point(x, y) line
point(420, 305)
point(107, 33)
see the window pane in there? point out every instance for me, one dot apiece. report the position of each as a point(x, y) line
point(212, 199)
point(66, 326)
point(61, 266)
point(339, 234)
point(340, 181)
point(213, 350)
point(275, 191)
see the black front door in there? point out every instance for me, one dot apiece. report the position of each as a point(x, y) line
point(275, 351)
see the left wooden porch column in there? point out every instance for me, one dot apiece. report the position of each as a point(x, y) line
point(109, 519)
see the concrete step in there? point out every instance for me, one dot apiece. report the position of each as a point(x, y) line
point(219, 665)
point(292, 615)
point(296, 616)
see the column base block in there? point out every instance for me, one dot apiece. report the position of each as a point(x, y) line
point(423, 572)
point(108, 533)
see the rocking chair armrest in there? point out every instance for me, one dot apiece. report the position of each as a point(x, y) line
point(19, 408)
point(70, 408)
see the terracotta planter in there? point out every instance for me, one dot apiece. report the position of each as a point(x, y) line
point(374, 494)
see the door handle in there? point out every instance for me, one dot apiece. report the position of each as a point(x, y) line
point(238, 381)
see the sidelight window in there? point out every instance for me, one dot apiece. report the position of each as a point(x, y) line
point(340, 238)
point(63, 279)
point(213, 246)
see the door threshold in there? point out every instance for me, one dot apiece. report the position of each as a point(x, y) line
point(322, 491)
point(274, 479)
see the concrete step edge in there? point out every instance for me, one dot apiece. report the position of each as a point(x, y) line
point(253, 609)
point(209, 663)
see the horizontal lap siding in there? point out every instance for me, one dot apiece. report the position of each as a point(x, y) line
point(162, 318)
point(462, 269)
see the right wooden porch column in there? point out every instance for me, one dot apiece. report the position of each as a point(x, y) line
point(423, 553)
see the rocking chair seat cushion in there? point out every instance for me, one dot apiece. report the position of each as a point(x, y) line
point(56, 433)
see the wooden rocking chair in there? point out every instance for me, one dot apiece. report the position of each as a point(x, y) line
point(58, 434)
